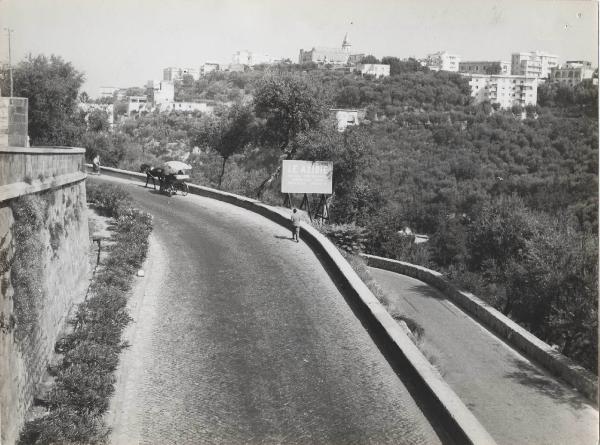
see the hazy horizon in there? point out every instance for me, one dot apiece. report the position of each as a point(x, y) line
point(125, 43)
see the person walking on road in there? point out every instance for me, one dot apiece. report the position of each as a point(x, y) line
point(295, 218)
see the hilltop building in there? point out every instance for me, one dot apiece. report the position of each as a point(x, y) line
point(186, 107)
point(484, 67)
point(346, 117)
point(250, 58)
point(163, 91)
point(572, 72)
point(107, 92)
point(173, 74)
point(209, 67)
point(375, 69)
point(504, 90)
point(441, 61)
point(137, 104)
point(330, 56)
point(353, 59)
point(533, 64)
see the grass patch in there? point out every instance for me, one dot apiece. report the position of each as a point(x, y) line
point(84, 378)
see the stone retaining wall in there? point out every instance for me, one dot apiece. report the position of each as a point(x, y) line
point(51, 181)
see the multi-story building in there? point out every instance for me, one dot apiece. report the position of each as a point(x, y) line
point(250, 58)
point(572, 72)
point(533, 64)
point(504, 90)
point(329, 56)
point(163, 91)
point(137, 104)
point(374, 69)
point(173, 73)
point(353, 59)
point(441, 61)
point(324, 55)
point(209, 67)
point(108, 92)
point(484, 67)
point(186, 107)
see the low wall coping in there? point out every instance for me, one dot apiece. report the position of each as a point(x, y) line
point(456, 415)
point(16, 189)
point(43, 150)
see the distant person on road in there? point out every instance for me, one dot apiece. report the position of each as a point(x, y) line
point(295, 218)
point(96, 164)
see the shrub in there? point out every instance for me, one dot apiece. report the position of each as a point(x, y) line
point(349, 237)
point(84, 379)
point(30, 212)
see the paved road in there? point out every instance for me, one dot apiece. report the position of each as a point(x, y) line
point(241, 337)
point(515, 400)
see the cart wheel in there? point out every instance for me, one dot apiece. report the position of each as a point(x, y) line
point(184, 189)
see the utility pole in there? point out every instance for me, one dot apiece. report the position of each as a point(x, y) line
point(9, 31)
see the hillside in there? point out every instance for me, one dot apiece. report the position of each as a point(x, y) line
point(508, 197)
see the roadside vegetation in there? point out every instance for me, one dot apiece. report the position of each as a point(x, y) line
point(508, 198)
point(84, 377)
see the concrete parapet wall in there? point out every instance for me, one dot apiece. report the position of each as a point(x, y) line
point(443, 406)
point(25, 165)
point(30, 324)
point(518, 337)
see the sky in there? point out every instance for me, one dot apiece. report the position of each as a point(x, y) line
point(124, 43)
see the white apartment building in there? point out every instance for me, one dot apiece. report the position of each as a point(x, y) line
point(174, 73)
point(163, 91)
point(209, 67)
point(375, 69)
point(504, 90)
point(484, 67)
point(136, 104)
point(533, 64)
point(572, 72)
point(108, 92)
point(250, 58)
point(442, 61)
point(186, 106)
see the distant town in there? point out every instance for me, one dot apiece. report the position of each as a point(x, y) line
point(502, 83)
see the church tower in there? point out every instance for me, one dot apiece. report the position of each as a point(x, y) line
point(346, 44)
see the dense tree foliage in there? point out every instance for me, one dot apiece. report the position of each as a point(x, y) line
point(227, 134)
point(508, 197)
point(51, 86)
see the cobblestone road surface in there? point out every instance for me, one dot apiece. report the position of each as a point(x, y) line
point(241, 337)
point(514, 399)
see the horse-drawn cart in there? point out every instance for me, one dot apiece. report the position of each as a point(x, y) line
point(171, 177)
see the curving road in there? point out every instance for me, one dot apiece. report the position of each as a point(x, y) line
point(514, 399)
point(240, 337)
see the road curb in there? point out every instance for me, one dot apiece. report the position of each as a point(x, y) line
point(443, 405)
point(516, 336)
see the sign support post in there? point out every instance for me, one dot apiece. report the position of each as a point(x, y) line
point(308, 177)
point(306, 202)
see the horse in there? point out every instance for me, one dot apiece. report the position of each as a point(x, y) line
point(153, 173)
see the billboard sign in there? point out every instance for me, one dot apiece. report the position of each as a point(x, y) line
point(307, 177)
